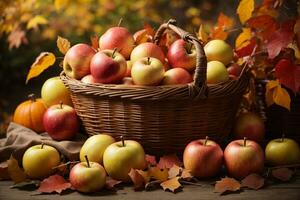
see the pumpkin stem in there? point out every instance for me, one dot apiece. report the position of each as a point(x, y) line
point(87, 161)
point(31, 97)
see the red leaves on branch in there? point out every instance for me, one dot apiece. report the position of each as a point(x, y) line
point(288, 74)
point(253, 181)
point(55, 183)
point(227, 185)
point(224, 24)
point(264, 25)
point(168, 161)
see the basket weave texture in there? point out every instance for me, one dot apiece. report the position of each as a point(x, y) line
point(162, 118)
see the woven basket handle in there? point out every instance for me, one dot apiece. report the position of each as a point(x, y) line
point(201, 61)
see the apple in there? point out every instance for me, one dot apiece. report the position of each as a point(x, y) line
point(234, 70)
point(282, 151)
point(127, 81)
point(61, 122)
point(203, 158)
point(128, 68)
point(117, 37)
point(147, 49)
point(243, 157)
point(218, 50)
point(88, 79)
point(147, 71)
point(76, 62)
point(177, 76)
point(181, 54)
point(120, 157)
point(38, 161)
point(54, 91)
point(108, 66)
point(94, 147)
point(216, 72)
point(249, 125)
point(87, 176)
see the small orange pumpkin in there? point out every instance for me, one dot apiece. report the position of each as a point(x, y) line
point(30, 114)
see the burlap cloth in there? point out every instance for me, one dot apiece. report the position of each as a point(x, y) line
point(19, 138)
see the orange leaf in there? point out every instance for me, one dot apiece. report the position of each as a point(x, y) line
point(110, 183)
point(63, 44)
point(253, 181)
point(227, 185)
point(202, 35)
point(145, 175)
point(137, 179)
point(283, 174)
point(15, 172)
point(168, 161)
point(278, 95)
point(158, 174)
point(264, 25)
point(221, 30)
point(186, 174)
point(95, 41)
point(171, 184)
point(245, 10)
point(55, 183)
point(175, 171)
point(243, 37)
point(42, 62)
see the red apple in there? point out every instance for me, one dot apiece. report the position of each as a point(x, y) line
point(88, 79)
point(77, 60)
point(61, 122)
point(117, 37)
point(249, 125)
point(181, 54)
point(234, 70)
point(108, 66)
point(147, 71)
point(243, 157)
point(147, 49)
point(176, 76)
point(204, 158)
point(88, 176)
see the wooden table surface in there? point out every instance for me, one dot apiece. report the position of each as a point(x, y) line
point(280, 191)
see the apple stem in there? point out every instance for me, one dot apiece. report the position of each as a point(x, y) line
point(122, 139)
point(87, 161)
point(42, 146)
point(120, 22)
point(190, 47)
point(205, 142)
point(113, 54)
point(32, 97)
point(61, 104)
point(148, 60)
point(282, 137)
point(245, 140)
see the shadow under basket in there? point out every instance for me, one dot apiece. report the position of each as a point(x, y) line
point(164, 119)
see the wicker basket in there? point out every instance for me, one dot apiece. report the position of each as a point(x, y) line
point(162, 118)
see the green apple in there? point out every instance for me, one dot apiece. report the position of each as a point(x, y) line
point(147, 71)
point(120, 157)
point(39, 160)
point(87, 176)
point(216, 72)
point(54, 91)
point(218, 50)
point(282, 151)
point(95, 146)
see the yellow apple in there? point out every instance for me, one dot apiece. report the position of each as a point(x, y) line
point(218, 50)
point(39, 160)
point(54, 91)
point(216, 72)
point(94, 147)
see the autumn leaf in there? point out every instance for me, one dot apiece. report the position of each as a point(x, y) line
point(245, 9)
point(246, 49)
point(186, 175)
point(171, 184)
point(29, 185)
point(223, 25)
point(37, 20)
point(175, 171)
point(158, 173)
point(151, 160)
point(264, 25)
point(137, 179)
point(63, 44)
point(253, 181)
point(227, 185)
point(54, 183)
point(278, 95)
point(280, 38)
point(145, 174)
point(267, 10)
point(42, 62)
point(202, 34)
point(16, 38)
point(152, 185)
point(4, 175)
point(149, 29)
point(168, 161)
point(283, 174)
point(59, 4)
point(110, 183)
point(95, 41)
point(288, 74)
point(243, 37)
point(15, 172)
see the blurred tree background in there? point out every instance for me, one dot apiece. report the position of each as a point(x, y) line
point(28, 27)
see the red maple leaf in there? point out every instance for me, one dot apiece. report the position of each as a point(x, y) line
point(55, 183)
point(264, 25)
point(280, 38)
point(168, 161)
point(288, 74)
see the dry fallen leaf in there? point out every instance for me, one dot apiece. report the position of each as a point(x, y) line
point(63, 44)
point(253, 181)
point(283, 174)
point(158, 174)
point(227, 185)
point(4, 175)
point(110, 183)
point(151, 160)
point(15, 172)
point(186, 175)
point(171, 184)
point(54, 183)
point(29, 185)
point(175, 171)
point(168, 161)
point(145, 175)
point(137, 179)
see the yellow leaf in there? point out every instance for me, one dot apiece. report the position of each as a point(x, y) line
point(245, 10)
point(272, 84)
point(42, 62)
point(158, 174)
point(171, 184)
point(34, 22)
point(202, 35)
point(59, 4)
point(243, 37)
point(63, 44)
point(278, 95)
